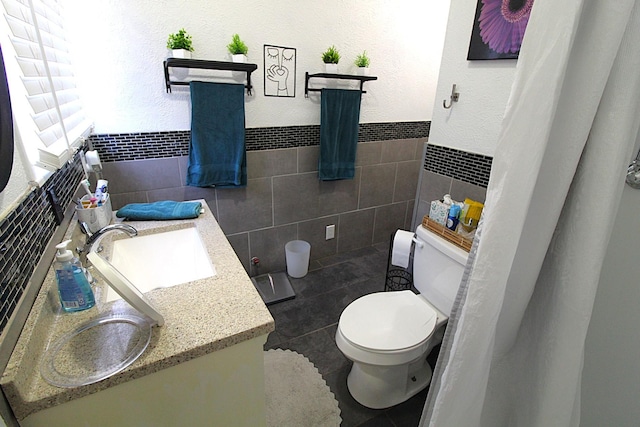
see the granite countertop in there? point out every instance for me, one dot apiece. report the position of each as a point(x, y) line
point(201, 317)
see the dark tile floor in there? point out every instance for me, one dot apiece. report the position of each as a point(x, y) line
point(307, 325)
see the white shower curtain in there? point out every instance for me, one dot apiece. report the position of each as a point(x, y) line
point(513, 352)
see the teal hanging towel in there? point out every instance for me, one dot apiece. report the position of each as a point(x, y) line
point(217, 155)
point(339, 120)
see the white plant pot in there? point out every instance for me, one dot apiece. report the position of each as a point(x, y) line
point(331, 68)
point(240, 58)
point(362, 71)
point(181, 53)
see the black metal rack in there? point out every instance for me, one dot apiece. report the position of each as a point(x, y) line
point(206, 65)
point(308, 76)
point(398, 278)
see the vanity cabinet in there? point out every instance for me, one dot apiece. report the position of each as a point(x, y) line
point(203, 367)
point(224, 388)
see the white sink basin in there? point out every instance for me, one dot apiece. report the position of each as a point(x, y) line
point(161, 260)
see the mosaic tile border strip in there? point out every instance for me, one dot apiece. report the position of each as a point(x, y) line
point(149, 145)
point(468, 167)
point(115, 147)
point(25, 233)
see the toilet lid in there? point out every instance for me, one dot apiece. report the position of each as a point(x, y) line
point(386, 321)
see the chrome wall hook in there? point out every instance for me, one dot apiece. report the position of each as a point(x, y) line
point(454, 98)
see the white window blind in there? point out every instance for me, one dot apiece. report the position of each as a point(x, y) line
point(36, 33)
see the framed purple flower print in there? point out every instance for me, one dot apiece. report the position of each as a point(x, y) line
point(499, 28)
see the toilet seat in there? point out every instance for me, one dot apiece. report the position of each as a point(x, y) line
point(387, 322)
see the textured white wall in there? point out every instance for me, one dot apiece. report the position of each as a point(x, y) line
point(120, 46)
point(473, 124)
point(17, 185)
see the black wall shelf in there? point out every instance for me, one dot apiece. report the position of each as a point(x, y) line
point(308, 76)
point(206, 65)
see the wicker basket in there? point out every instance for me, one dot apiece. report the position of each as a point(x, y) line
point(445, 233)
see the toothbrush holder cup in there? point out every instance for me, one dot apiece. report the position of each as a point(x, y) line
point(96, 217)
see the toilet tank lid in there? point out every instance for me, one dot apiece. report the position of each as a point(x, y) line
point(386, 321)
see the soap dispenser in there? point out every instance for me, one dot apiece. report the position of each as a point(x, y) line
point(73, 287)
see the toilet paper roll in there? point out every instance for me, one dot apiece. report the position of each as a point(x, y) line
point(401, 249)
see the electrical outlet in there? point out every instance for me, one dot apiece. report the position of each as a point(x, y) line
point(330, 232)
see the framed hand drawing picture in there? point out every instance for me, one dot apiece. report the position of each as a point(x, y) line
point(279, 71)
point(498, 28)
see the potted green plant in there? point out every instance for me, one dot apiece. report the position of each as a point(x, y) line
point(238, 49)
point(362, 62)
point(331, 57)
point(180, 44)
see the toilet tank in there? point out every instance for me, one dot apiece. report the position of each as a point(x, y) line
point(437, 269)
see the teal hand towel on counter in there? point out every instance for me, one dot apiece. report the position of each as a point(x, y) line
point(217, 153)
point(163, 210)
point(339, 122)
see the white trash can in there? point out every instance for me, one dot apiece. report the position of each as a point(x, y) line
point(297, 254)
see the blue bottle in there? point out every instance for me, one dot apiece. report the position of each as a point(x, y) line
point(73, 287)
point(454, 215)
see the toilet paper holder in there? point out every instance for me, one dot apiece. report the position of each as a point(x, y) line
point(399, 278)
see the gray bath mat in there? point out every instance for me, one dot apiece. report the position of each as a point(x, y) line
point(296, 393)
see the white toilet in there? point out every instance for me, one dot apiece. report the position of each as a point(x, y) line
point(388, 335)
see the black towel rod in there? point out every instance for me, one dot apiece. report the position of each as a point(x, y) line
point(206, 65)
point(308, 76)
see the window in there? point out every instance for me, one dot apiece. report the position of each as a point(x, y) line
point(48, 113)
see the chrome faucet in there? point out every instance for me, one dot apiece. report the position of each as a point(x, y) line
point(93, 237)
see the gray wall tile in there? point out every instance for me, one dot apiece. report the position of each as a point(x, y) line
point(314, 232)
point(182, 193)
point(118, 200)
point(406, 184)
point(240, 245)
point(140, 175)
point(461, 190)
point(308, 158)
point(245, 209)
point(377, 185)
point(423, 209)
point(268, 246)
point(388, 219)
point(399, 150)
point(183, 163)
point(408, 219)
point(356, 230)
point(369, 153)
point(421, 148)
point(434, 186)
point(267, 163)
point(302, 197)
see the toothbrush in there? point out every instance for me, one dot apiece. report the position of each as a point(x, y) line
point(85, 185)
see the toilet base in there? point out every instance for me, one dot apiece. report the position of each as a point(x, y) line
point(379, 387)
